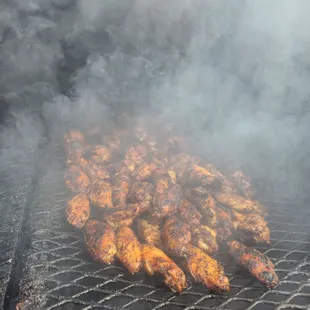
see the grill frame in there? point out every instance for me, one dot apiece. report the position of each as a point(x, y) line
point(59, 274)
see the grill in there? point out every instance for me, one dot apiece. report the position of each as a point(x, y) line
point(54, 271)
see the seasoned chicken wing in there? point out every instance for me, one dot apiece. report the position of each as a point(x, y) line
point(238, 203)
point(251, 227)
point(204, 238)
point(74, 144)
point(144, 171)
point(224, 224)
point(120, 188)
point(136, 154)
point(100, 241)
point(206, 204)
point(189, 214)
point(243, 184)
point(129, 249)
point(176, 235)
point(168, 203)
point(205, 269)
point(199, 176)
point(141, 191)
point(76, 180)
point(78, 210)
point(121, 223)
point(150, 232)
point(156, 261)
point(101, 194)
point(98, 154)
point(131, 211)
point(93, 171)
point(258, 264)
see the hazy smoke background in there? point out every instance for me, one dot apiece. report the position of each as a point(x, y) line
point(235, 73)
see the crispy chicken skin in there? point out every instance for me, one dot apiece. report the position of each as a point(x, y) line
point(156, 261)
point(76, 180)
point(238, 203)
point(199, 176)
point(129, 249)
point(150, 232)
point(144, 171)
point(204, 238)
point(243, 184)
point(258, 264)
point(131, 211)
point(176, 235)
point(251, 227)
point(189, 213)
point(120, 188)
point(78, 211)
point(205, 269)
point(136, 154)
point(93, 171)
point(121, 223)
point(140, 191)
point(99, 154)
point(101, 194)
point(205, 203)
point(224, 225)
point(168, 203)
point(167, 196)
point(100, 241)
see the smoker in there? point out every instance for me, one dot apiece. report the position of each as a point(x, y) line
point(43, 260)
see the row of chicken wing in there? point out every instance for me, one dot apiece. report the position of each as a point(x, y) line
point(179, 205)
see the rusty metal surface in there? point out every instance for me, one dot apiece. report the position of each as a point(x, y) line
point(59, 274)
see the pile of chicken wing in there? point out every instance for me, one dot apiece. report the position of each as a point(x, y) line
point(142, 199)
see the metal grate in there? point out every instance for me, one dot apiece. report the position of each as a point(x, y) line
point(59, 274)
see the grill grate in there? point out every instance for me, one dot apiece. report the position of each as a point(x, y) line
point(59, 274)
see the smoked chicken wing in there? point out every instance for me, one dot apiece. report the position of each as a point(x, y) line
point(101, 194)
point(205, 269)
point(176, 235)
point(243, 184)
point(76, 180)
point(204, 238)
point(156, 261)
point(150, 232)
point(78, 211)
point(140, 191)
point(100, 241)
point(144, 171)
point(120, 188)
point(129, 249)
point(238, 203)
point(189, 213)
point(258, 264)
point(98, 154)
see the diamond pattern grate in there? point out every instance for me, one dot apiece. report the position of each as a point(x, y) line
point(59, 274)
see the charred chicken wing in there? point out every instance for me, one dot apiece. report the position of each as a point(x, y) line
point(99, 154)
point(150, 232)
point(101, 194)
point(100, 241)
point(176, 235)
point(258, 264)
point(144, 171)
point(140, 191)
point(205, 269)
point(78, 211)
point(76, 180)
point(189, 214)
point(204, 238)
point(120, 189)
point(128, 249)
point(243, 184)
point(238, 203)
point(156, 261)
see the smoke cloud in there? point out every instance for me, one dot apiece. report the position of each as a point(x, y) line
point(233, 74)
